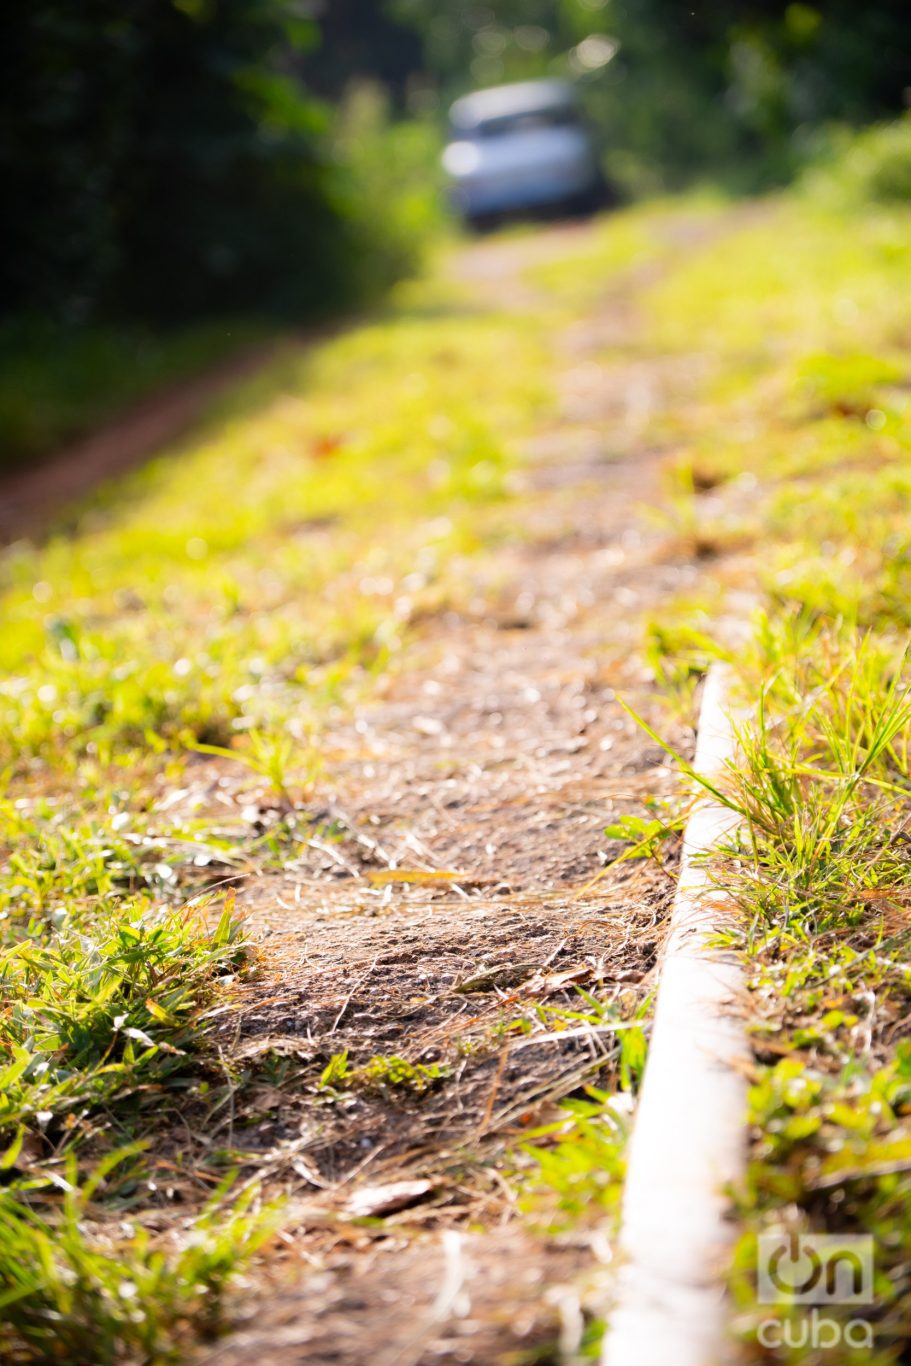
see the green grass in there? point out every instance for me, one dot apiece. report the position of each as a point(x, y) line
point(798, 452)
point(824, 882)
point(345, 480)
point(80, 1285)
point(201, 618)
point(639, 238)
point(102, 1017)
point(58, 382)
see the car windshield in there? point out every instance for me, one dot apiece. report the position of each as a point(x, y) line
point(527, 120)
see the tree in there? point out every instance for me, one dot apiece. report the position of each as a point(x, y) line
point(161, 161)
point(679, 90)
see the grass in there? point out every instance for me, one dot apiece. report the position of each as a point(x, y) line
point(78, 1288)
point(825, 886)
point(383, 1072)
point(102, 1018)
point(636, 240)
point(196, 625)
point(579, 1163)
point(802, 438)
point(59, 382)
point(352, 515)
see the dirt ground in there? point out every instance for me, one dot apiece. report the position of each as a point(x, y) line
point(459, 901)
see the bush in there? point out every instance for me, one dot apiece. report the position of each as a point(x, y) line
point(873, 166)
point(394, 189)
point(167, 164)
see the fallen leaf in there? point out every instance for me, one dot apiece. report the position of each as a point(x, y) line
point(373, 1202)
point(505, 975)
point(557, 981)
point(383, 875)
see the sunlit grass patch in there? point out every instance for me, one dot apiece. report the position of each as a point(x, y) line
point(621, 242)
point(579, 1164)
point(102, 1016)
point(79, 1284)
point(823, 879)
point(285, 548)
point(806, 429)
point(796, 280)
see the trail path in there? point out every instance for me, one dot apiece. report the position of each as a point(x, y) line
point(31, 499)
point(469, 800)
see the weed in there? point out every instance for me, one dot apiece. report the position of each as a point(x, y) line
point(579, 1162)
point(381, 1072)
point(78, 1286)
point(336, 1071)
point(283, 761)
point(644, 835)
point(99, 1022)
point(390, 1071)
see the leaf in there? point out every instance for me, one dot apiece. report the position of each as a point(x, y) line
point(8, 1159)
point(416, 875)
point(685, 764)
point(154, 1010)
point(374, 1202)
point(336, 1069)
point(11, 1074)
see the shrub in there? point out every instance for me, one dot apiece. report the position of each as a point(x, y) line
point(872, 166)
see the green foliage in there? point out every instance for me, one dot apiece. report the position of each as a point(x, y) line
point(643, 834)
point(382, 1072)
point(103, 1015)
point(284, 760)
point(389, 1071)
point(579, 1163)
point(167, 164)
point(59, 382)
point(336, 1072)
point(392, 185)
point(873, 166)
point(679, 93)
point(163, 163)
point(76, 1286)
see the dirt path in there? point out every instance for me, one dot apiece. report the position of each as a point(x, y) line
point(453, 907)
point(32, 499)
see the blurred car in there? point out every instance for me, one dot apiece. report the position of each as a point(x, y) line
point(520, 147)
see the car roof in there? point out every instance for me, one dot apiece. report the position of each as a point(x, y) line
point(502, 101)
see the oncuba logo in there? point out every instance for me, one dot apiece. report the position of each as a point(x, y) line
point(815, 1268)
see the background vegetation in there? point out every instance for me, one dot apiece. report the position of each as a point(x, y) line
point(736, 91)
point(196, 160)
